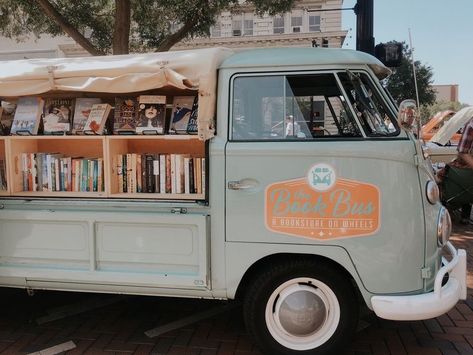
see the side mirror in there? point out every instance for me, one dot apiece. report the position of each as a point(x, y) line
point(408, 115)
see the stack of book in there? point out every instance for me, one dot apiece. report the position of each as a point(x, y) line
point(54, 172)
point(160, 173)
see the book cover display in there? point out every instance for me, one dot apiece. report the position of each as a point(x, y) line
point(151, 114)
point(125, 115)
point(192, 127)
point(82, 111)
point(58, 115)
point(7, 112)
point(181, 113)
point(27, 115)
point(97, 118)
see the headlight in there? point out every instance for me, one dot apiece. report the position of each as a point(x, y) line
point(432, 192)
point(444, 227)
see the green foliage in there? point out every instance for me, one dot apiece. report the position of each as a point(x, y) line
point(427, 111)
point(151, 20)
point(401, 83)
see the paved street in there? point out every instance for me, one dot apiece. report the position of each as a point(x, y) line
point(111, 324)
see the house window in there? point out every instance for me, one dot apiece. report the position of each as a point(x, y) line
point(296, 23)
point(248, 28)
point(216, 30)
point(314, 23)
point(236, 27)
point(278, 25)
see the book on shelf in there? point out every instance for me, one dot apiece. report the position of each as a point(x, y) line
point(125, 115)
point(27, 115)
point(97, 118)
point(54, 172)
point(159, 173)
point(57, 115)
point(3, 176)
point(156, 171)
point(151, 114)
point(181, 113)
point(82, 110)
point(7, 112)
point(192, 127)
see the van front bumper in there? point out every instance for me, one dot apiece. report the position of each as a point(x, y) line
point(432, 304)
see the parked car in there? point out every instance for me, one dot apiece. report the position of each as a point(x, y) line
point(435, 123)
point(442, 147)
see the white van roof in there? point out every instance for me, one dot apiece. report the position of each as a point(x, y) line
point(290, 56)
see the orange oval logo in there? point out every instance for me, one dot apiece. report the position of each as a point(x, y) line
point(322, 207)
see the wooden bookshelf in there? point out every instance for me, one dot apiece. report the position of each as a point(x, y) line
point(105, 147)
point(71, 146)
point(165, 144)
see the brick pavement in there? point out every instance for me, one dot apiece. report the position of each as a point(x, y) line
point(116, 325)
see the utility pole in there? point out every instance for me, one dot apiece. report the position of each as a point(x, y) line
point(364, 26)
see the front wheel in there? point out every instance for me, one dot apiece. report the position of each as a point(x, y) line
point(301, 307)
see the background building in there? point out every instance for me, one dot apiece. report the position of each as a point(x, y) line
point(446, 92)
point(310, 22)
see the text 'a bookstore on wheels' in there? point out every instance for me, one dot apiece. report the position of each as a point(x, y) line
point(104, 129)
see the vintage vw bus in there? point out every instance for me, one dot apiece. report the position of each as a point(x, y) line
point(301, 225)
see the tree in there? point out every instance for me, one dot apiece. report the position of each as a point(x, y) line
point(121, 26)
point(401, 83)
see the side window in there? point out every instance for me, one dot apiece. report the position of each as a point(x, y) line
point(292, 107)
point(371, 109)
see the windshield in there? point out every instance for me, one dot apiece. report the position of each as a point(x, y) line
point(373, 113)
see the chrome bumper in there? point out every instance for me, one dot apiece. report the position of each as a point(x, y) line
point(432, 304)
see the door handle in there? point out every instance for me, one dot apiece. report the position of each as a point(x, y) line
point(240, 185)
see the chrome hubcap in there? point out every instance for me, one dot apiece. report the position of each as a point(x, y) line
point(302, 313)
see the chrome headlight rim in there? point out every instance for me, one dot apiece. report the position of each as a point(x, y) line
point(432, 192)
point(444, 227)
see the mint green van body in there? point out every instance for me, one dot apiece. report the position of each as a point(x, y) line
point(378, 235)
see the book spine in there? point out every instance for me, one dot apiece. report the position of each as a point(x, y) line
point(144, 177)
point(118, 164)
point(156, 171)
point(39, 171)
point(133, 173)
point(73, 175)
point(203, 177)
point(53, 173)
point(139, 184)
point(69, 174)
point(85, 175)
point(29, 163)
point(199, 175)
point(168, 173)
point(149, 173)
point(78, 174)
point(186, 175)
point(173, 174)
point(24, 171)
point(90, 175)
point(100, 175)
point(34, 172)
point(49, 172)
point(179, 179)
point(124, 173)
point(191, 176)
point(95, 175)
point(62, 175)
point(162, 173)
point(129, 170)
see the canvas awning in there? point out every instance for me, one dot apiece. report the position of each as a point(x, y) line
point(189, 70)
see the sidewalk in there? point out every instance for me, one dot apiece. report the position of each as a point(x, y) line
point(114, 324)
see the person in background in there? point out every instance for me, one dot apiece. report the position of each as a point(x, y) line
point(292, 127)
point(465, 160)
